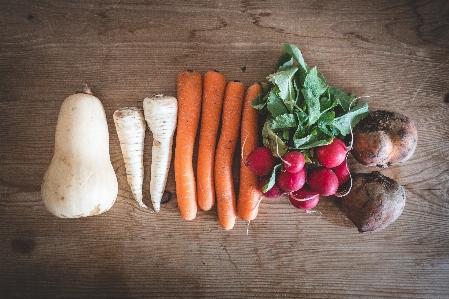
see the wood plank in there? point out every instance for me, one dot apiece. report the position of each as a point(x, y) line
point(394, 55)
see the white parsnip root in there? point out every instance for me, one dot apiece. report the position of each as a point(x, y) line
point(130, 125)
point(161, 114)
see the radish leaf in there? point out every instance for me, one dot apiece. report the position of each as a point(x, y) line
point(272, 180)
point(301, 110)
point(346, 122)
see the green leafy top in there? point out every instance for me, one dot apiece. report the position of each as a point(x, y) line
point(302, 111)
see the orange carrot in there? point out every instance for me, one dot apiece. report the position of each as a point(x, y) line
point(224, 184)
point(189, 85)
point(214, 85)
point(249, 193)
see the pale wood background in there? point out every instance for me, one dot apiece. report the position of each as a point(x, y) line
point(395, 52)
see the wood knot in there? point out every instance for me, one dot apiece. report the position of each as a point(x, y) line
point(446, 98)
point(23, 245)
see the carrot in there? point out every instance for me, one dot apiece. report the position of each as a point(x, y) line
point(249, 193)
point(214, 85)
point(224, 184)
point(130, 126)
point(189, 86)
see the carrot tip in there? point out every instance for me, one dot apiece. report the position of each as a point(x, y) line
point(228, 227)
point(189, 218)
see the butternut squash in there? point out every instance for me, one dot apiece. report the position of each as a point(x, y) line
point(80, 180)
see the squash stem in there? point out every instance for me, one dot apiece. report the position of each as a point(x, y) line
point(85, 89)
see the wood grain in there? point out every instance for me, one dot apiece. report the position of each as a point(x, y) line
point(393, 53)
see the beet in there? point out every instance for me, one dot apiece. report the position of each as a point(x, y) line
point(384, 138)
point(374, 202)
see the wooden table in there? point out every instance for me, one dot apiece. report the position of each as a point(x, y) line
point(393, 52)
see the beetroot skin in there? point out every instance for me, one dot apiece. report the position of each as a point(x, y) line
point(333, 154)
point(323, 180)
point(260, 161)
point(375, 201)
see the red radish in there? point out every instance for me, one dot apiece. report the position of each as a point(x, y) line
point(260, 161)
point(293, 161)
point(333, 154)
point(304, 199)
point(342, 173)
point(291, 181)
point(274, 192)
point(304, 194)
point(323, 180)
point(305, 205)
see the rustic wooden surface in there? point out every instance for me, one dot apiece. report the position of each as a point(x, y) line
point(394, 52)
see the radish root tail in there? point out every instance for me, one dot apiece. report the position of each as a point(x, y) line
point(277, 152)
point(243, 147)
point(346, 192)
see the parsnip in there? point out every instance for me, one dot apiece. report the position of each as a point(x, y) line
point(161, 115)
point(130, 125)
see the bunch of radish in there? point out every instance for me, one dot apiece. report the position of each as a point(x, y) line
point(304, 180)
